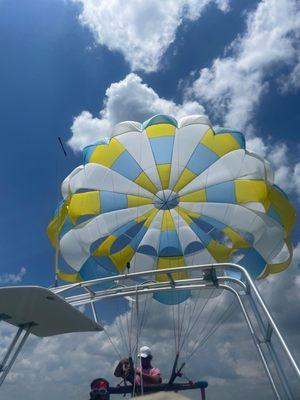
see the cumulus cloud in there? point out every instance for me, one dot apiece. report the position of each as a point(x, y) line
point(140, 30)
point(62, 367)
point(65, 365)
point(234, 84)
point(283, 307)
point(296, 179)
point(231, 89)
point(297, 255)
point(287, 174)
point(129, 99)
point(292, 81)
point(7, 278)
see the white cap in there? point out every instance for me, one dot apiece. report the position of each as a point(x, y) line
point(145, 352)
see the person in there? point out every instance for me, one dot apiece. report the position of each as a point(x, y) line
point(148, 375)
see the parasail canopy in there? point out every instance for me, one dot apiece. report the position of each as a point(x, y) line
point(167, 194)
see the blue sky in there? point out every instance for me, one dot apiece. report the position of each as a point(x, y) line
point(67, 71)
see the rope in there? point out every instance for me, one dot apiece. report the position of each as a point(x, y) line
point(112, 343)
point(186, 337)
point(121, 328)
point(142, 319)
point(224, 316)
point(209, 318)
point(137, 338)
point(104, 330)
point(128, 333)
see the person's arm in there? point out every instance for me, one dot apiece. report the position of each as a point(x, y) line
point(153, 379)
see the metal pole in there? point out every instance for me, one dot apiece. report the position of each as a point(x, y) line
point(138, 341)
point(94, 313)
point(273, 325)
point(10, 349)
point(75, 302)
point(15, 355)
point(81, 299)
point(125, 289)
point(142, 274)
point(257, 344)
point(168, 286)
point(280, 371)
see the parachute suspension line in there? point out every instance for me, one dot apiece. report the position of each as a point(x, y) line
point(98, 320)
point(227, 313)
point(128, 317)
point(136, 358)
point(122, 330)
point(199, 341)
point(183, 314)
point(174, 329)
point(224, 316)
point(188, 317)
point(112, 343)
point(212, 312)
point(139, 195)
point(143, 318)
point(128, 328)
point(178, 322)
point(196, 320)
point(121, 324)
point(176, 319)
point(130, 331)
point(141, 323)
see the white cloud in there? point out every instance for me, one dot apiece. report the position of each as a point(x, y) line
point(234, 84)
point(140, 30)
point(86, 129)
point(13, 278)
point(62, 367)
point(296, 179)
point(233, 87)
point(287, 175)
point(292, 82)
point(257, 145)
point(129, 99)
point(297, 256)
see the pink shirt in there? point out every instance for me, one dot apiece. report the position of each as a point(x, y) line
point(148, 371)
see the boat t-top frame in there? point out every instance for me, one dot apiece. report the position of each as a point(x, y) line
point(44, 312)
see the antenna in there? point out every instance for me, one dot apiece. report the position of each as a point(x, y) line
point(62, 146)
point(57, 244)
